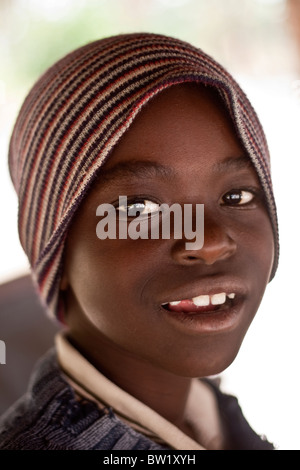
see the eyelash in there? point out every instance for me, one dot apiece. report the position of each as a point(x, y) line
point(136, 200)
point(255, 192)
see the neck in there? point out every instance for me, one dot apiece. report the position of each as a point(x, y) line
point(164, 392)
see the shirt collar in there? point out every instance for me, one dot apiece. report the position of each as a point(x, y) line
point(89, 382)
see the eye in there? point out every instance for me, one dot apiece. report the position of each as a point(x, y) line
point(238, 197)
point(135, 208)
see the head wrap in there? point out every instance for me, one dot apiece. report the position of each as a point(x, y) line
point(74, 116)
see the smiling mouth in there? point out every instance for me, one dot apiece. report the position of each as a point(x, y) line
point(202, 303)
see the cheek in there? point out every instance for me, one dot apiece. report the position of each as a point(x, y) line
point(107, 276)
point(256, 257)
point(263, 252)
point(255, 242)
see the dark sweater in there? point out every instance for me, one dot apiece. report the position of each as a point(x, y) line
point(50, 417)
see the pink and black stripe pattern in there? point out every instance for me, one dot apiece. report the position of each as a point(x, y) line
point(74, 116)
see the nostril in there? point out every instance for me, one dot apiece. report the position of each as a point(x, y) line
point(212, 251)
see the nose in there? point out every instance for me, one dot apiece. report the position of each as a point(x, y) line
point(218, 244)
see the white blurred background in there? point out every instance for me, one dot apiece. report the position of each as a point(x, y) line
point(259, 42)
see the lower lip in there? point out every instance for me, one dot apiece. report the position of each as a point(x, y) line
point(215, 321)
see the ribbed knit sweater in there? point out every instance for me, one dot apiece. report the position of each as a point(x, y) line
point(51, 417)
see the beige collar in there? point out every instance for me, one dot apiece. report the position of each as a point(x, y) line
point(89, 382)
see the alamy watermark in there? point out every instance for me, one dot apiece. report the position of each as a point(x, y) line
point(2, 352)
point(133, 224)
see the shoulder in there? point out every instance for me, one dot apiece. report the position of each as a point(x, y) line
point(51, 417)
point(240, 434)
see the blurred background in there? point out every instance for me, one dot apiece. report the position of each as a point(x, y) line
point(258, 41)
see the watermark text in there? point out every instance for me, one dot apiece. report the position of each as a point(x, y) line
point(163, 222)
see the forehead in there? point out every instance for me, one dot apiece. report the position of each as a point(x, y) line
point(183, 125)
point(176, 108)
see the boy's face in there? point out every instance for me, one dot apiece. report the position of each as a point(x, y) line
point(116, 288)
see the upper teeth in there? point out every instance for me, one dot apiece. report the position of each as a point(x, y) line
point(204, 300)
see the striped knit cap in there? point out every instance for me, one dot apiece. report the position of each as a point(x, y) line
point(74, 116)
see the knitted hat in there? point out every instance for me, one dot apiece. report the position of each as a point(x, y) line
point(74, 116)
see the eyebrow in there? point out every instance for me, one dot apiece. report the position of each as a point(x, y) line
point(146, 169)
point(135, 169)
point(233, 164)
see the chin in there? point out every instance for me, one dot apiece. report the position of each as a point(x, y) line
point(204, 364)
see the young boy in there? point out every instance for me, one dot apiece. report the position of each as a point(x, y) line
point(146, 320)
